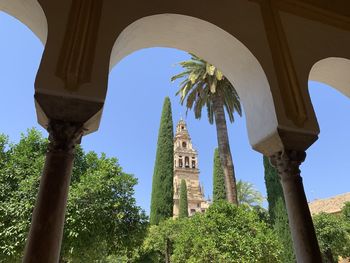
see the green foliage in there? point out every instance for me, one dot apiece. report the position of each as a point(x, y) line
point(20, 169)
point(159, 243)
point(224, 234)
point(333, 234)
point(219, 191)
point(101, 219)
point(183, 203)
point(248, 195)
point(346, 211)
point(277, 211)
point(273, 187)
point(263, 214)
point(281, 227)
point(162, 183)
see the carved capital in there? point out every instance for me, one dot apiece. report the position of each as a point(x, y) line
point(63, 136)
point(287, 163)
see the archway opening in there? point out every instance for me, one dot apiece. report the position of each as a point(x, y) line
point(150, 39)
point(18, 66)
point(325, 171)
point(201, 38)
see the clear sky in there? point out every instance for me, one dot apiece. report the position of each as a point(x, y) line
point(136, 90)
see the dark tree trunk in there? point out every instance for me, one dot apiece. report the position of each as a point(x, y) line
point(329, 257)
point(224, 150)
point(167, 251)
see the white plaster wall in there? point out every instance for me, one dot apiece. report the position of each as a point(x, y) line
point(334, 72)
point(217, 47)
point(30, 13)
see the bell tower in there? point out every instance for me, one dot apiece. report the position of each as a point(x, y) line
point(186, 167)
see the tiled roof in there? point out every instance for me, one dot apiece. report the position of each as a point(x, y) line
point(329, 205)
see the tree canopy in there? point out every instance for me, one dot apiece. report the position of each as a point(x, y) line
point(101, 219)
point(248, 195)
point(346, 211)
point(333, 234)
point(225, 233)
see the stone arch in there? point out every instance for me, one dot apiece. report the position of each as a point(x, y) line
point(216, 46)
point(333, 71)
point(30, 13)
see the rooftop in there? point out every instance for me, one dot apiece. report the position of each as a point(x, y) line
point(329, 205)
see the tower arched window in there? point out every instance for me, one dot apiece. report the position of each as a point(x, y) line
point(180, 162)
point(184, 144)
point(193, 164)
point(187, 162)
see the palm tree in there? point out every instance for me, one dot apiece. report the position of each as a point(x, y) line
point(248, 195)
point(205, 85)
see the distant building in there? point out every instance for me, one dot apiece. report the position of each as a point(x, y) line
point(186, 167)
point(332, 205)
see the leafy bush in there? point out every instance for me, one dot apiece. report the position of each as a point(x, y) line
point(101, 219)
point(224, 234)
point(333, 234)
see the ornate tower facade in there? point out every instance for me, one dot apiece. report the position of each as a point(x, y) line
point(186, 167)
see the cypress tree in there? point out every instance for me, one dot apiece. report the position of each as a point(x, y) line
point(281, 227)
point(183, 204)
point(277, 211)
point(273, 187)
point(219, 191)
point(162, 183)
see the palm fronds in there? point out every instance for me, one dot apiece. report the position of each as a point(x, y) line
point(201, 81)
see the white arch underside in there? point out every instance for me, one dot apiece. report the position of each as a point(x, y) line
point(217, 47)
point(334, 72)
point(30, 13)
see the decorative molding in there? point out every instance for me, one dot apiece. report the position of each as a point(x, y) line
point(317, 11)
point(77, 53)
point(289, 86)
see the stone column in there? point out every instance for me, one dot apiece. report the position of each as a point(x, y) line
point(303, 233)
point(45, 236)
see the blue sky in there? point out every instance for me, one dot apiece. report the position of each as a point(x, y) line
point(136, 90)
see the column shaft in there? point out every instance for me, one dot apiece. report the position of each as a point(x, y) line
point(44, 241)
point(303, 233)
point(45, 235)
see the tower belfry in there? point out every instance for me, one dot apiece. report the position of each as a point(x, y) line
point(186, 167)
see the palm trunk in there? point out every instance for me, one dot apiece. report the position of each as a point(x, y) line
point(224, 150)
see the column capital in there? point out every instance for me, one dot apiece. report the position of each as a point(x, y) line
point(63, 136)
point(305, 244)
point(287, 163)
